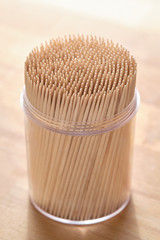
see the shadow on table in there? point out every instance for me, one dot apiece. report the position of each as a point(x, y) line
point(121, 227)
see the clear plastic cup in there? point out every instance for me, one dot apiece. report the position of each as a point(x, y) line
point(79, 173)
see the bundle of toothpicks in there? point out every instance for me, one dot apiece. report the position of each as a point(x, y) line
point(79, 79)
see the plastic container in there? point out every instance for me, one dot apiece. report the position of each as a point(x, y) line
point(90, 188)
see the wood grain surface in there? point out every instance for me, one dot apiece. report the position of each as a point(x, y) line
point(24, 26)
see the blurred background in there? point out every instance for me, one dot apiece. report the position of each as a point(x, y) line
point(142, 14)
point(24, 24)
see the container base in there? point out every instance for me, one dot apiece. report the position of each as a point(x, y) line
point(81, 222)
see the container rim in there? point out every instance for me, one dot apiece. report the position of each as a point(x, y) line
point(80, 128)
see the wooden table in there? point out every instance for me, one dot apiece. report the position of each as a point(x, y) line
point(22, 27)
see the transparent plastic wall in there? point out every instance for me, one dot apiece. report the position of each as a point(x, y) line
point(80, 174)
